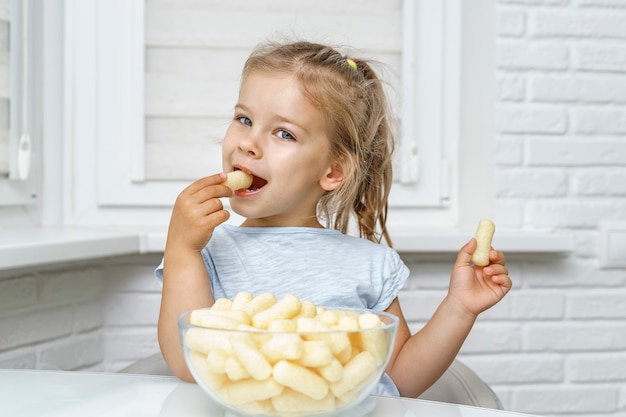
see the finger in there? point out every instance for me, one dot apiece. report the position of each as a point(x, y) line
point(497, 273)
point(464, 256)
point(217, 217)
point(208, 188)
point(496, 269)
point(496, 257)
point(504, 281)
point(204, 182)
point(200, 201)
point(212, 205)
point(210, 215)
point(195, 211)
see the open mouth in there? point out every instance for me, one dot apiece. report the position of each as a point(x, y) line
point(257, 183)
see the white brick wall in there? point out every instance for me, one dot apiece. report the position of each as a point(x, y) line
point(52, 318)
point(556, 346)
point(96, 316)
point(561, 163)
point(132, 309)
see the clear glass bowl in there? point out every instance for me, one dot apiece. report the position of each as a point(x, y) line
point(254, 372)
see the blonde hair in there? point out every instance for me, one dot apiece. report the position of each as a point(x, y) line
point(354, 104)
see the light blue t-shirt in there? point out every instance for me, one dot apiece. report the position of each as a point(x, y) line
point(324, 266)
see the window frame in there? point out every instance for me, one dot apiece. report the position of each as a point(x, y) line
point(20, 196)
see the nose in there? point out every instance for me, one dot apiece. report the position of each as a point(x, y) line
point(250, 144)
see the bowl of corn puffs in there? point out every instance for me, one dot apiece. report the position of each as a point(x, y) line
point(259, 355)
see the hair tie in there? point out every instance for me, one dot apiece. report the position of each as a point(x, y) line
point(352, 64)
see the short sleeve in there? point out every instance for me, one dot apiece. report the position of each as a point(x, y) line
point(158, 272)
point(395, 274)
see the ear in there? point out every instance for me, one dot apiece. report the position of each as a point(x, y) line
point(332, 178)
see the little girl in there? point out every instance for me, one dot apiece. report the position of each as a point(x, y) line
point(313, 128)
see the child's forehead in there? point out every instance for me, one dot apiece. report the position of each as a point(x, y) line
point(259, 76)
point(260, 85)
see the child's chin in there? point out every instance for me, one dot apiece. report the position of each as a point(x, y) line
point(240, 208)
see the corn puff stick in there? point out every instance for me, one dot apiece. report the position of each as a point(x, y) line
point(347, 353)
point(286, 308)
point(351, 395)
point(222, 304)
point(484, 235)
point(252, 390)
point(282, 326)
point(261, 408)
point(235, 369)
point(238, 180)
point(241, 299)
point(316, 353)
point(216, 361)
point(300, 379)
point(205, 342)
point(348, 323)
point(283, 346)
point(207, 319)
point(237, 315)
point(307, 309)
point(291, 401)
point(259, 303)
point(374, 341)
point(197, 316)
point(250, 358)
point(328, 317)
point(332, 372)
point(337, 341)
point(355, 373)
point(212, 379)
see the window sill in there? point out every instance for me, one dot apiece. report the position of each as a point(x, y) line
point(26, 247)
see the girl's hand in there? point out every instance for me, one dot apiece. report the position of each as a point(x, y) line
point(479, 288)
point(197, 212)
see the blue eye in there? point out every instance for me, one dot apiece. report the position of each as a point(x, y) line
point(245, 121)
point(283, 134)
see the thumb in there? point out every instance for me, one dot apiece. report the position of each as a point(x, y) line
point(464, 256)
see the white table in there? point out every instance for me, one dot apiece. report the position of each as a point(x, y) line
point(26, 393)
